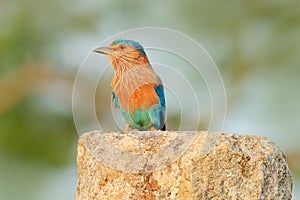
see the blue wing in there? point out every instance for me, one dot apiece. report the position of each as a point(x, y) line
point(115, 99)
point(158, 112)
point(160, 93)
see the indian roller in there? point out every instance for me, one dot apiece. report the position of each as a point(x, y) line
point(137, 90)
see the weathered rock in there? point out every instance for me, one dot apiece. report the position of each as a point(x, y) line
point(180, 165)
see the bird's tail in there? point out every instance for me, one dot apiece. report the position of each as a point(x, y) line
point(163, 128)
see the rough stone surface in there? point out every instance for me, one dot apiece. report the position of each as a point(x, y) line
point(180, 165)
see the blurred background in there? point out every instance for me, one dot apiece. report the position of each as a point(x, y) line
point(255, 44)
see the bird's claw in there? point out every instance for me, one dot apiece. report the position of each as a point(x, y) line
point(152, 128)
point(127, 128)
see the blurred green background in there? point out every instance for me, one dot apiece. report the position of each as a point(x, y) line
point(256, 45)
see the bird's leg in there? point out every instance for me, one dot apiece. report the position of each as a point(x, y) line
point(152, 128)
point(127, 128)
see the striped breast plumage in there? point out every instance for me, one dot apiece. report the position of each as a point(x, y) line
point(139, 94)
point(137, 90)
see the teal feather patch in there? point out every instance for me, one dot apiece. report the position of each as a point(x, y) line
point(145, 119)
point(139, 120)
point(131, 43)
point(157, 116)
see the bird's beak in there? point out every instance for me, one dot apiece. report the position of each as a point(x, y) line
point(103, 50)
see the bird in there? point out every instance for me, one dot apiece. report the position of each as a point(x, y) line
point(137, 90)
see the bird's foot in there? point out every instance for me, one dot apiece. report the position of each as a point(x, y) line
point(152, 128)
point(127, 128)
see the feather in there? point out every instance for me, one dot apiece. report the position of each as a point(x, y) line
point(137, 90)
point(115, 100)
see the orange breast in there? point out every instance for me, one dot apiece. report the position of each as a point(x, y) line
point(135, 88)
point(143, 98)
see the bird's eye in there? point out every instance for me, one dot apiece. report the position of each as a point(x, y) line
point(122, 46)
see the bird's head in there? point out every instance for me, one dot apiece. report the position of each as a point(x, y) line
point(124, 54)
